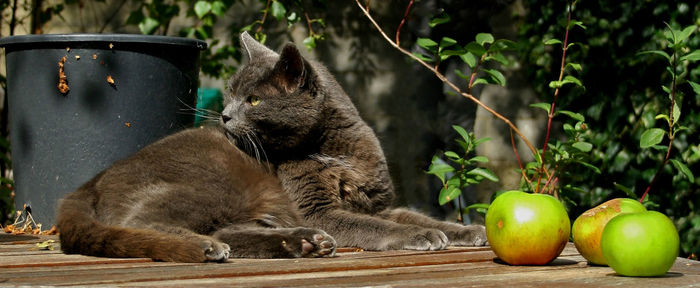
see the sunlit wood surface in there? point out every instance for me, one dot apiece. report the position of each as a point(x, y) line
point(23, 263)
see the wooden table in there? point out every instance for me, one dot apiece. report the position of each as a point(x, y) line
point(21, 263)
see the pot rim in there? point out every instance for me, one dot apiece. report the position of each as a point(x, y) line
point(101, 38)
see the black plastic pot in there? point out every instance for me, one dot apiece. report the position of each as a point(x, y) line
point(125, 91)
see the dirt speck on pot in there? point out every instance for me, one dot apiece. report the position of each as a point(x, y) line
point(62, 78)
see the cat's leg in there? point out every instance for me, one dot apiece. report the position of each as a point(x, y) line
point(261, 242)
point(458, 234)
point(213, 249)
point(368, 232)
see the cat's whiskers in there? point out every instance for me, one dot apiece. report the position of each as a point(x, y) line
point(207, 114)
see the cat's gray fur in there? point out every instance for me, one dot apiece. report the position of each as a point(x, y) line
point(327, 158)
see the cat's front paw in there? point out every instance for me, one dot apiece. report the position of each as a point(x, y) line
point(310, 243)
point(469, 235)
point(215, 251)
point(419, 239)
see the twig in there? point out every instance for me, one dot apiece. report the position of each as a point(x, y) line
point(111, 17)
point(671, 135)
point(262, 21)
point(550, 115)
point(308, 23)
point(520, 163)
point(403, 20)
point(446, 81)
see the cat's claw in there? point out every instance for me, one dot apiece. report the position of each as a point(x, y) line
point(216, 251)
point(421, 239)
point(315, 243)
point(470, 235)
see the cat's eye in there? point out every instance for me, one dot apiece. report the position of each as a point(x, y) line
point(253, 100)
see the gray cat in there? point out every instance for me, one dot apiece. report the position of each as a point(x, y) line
point(197, 196)
point(329, 161)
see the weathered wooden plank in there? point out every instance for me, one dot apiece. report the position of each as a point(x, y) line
point(480, 274)
point(453, 267)
point(237, 268)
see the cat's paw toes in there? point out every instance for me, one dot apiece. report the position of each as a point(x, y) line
point(315, 243)
point(425, 239)
point(215, 251)
point(470, 235)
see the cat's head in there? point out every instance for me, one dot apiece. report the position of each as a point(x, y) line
point(272, 102)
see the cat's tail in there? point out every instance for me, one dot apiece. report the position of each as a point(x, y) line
point(81, 233)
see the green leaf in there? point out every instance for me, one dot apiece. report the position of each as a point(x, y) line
point(589, 166)
point(452, 155)
point(437, 20)
point(481, 159)
point(676, 112)
point(148, 25)
point(498, 57)
point(571, 79)
point(555, 84)
point(482, 208)
point(201, 8)
point(310, 42)
point(552, 42)
point(481, 140)
point(278, 11)
point(696, 87)
point(449, 194)
point(463, 133)
point(439, 168)
point(483, 172)
point(657, 52)
point(575, 66)
point(626, 190)
point(470, 59)
point(502, 45)
point(573, 115)
point(651, 137)
point(683, 169)
point(543, 106)
point(692, 56)
point(483, 38)
point(577, 23)
point(475, 49)
point(461, 75)
point(496, 76)
point(218, 8)
point(427, 43)
point(480, 81)
point(686, 33)
point(422, 57)
point(583, 146)
point(447, 42)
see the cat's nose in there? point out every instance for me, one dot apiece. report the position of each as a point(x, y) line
point(225, 118)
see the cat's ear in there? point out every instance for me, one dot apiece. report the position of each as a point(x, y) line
point(292, 70)
point(253, 49)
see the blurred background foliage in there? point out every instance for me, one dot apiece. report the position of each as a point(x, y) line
point(413, 116)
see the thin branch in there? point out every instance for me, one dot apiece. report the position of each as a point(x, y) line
point(308, 23)
point(671, 135)
point(403, 20)
point(111, 17)
point(450, 84)
point(262, 21)
point(520, 163)
point(550, 115)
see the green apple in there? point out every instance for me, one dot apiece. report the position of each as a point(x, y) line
point(640, 244)
point(588, 227)
point(527, 229)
